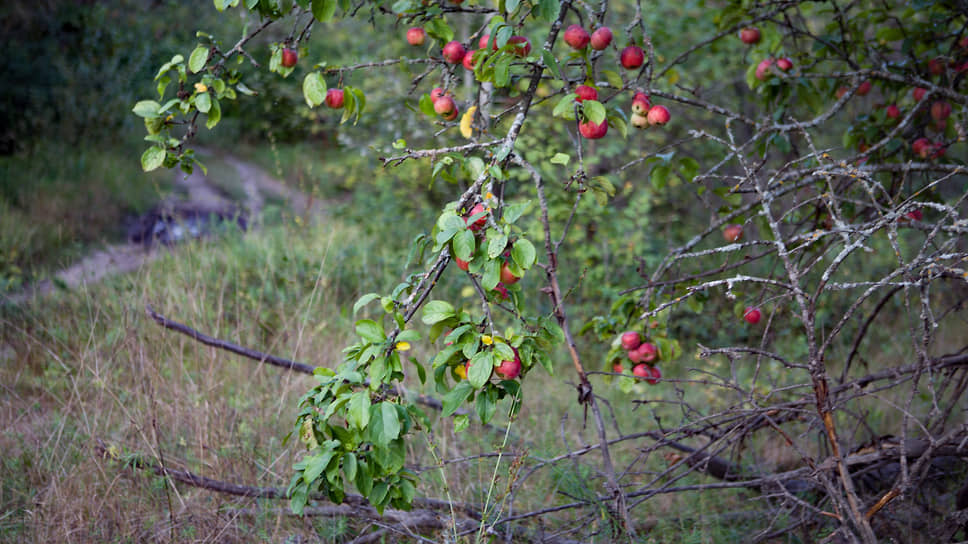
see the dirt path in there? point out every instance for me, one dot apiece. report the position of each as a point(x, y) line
point(201, 194)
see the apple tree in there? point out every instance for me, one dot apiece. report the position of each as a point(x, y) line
point(771, 195)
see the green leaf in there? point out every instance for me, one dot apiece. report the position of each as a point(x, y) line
point(435, 311)
point(214, 114)
point(551, 62)
point(349, 466)
point(244, 89)
point(480, 368)
point(560, 158)
point(461, 422)
point(370, 330)
point(358, 409)
point(384, 423)
point(364, 300)
point(594, 111)
point(455, 397)
point(547, 10)
point(315, 465)
point(437, 28)
point(565, 108)
point(203, 102)
point(496, 243)
point(198, 59)
point(513, 212)
point(523, 253)
point(323, 10)
point(659, 177)
point(486, 406)
point(147, 109)
point(492, 274)
point(314, 89)
point(689, 167)
point(152, 158)
point(613, 78)
point(464, 244)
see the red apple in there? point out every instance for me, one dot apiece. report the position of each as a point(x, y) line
point(482, 43)
point(508, 277)
point(444, 105)
point(893, 111)
point(750, 35)
point(632, 57)
point(936, 66)
point(752, 315)
point(641, 104)
point(591, 130)
point(641, 371)
point(454, 52)
point(435, 94)
point(334, 98)
point(520, 46)
point(658, 115)
point(645, 353)
point(509, 369)
point(289, 57)
point(478, 223)
point(601, 38)
point(618, 368)
point(763, 69)
point(469, 60)
point(639, 121)
point(463, 265)
point(631, 340)
point(501, 290)
point(577, 37)
point(784, 64)
point(918, 93)
point(416, 36)
point(940, 110)
point(915, 214)
point(654, 375)
point(864, 88)
point(733, 233)
point(585, 92)
point(921, 147)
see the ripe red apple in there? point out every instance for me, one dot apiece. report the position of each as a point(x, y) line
point(577, 37)
point(750, 35)
point(645, 353)
point(921, 147)
point(454, 52)
point(501, 290)
point(631, 340)
point(601, 38)
point(469, 60)
point(940, 110)
point(520, 46)
point(334, 98)
point(658, 115)
point(482, 43)
point(444, 105)
point(654, 375)
point(618, 368)
point(632, 57)
point(289, 57)
point(585, 92)
point(509, 369)
point(478, 223)
point(784, 64)
point(508, 277)
point(918, 93)
point(936, 66)
point(915, 214)
point(763, 69)
point(641, 371)
point(416, 36)
point(437, 93)
point(591, 130)
point(893, 111)
point(641, 104)
point(752, 315)
point(463, 265)
point(864, 88)
point(639, 121)
point(733, 233)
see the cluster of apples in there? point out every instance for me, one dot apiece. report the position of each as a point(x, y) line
point(751, 36)
point(444, 104)
point(507, 276)
point(643, 354)
point(644, 114)
point(334, 97)
point(507, 370)
point(455, 53)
